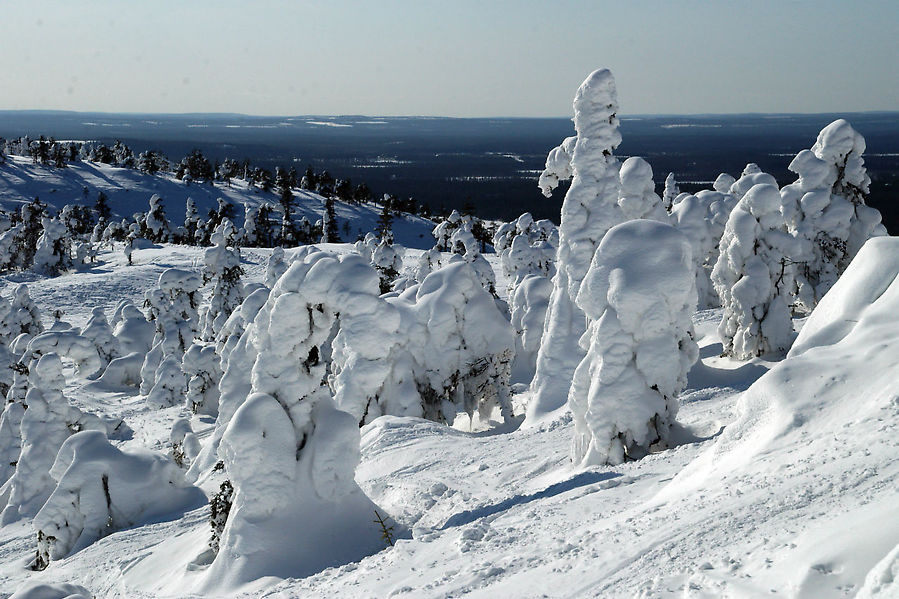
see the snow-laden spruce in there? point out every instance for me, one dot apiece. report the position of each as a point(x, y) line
point(289, 452)
point(46, 424)
point(222, 273)
point(275, 267)
point(825, 209)
point(201, 366)
point(100, 489)
point(24, 317)
point(754, 276)
point(639, 296)
point(589, 210)
point(636, 196)
point(528, 305)
point(558, 166)
point(98, 331)
point(53, 252)
point(172, 305)
point(702, 218)
point(156, 226)
point(671, 191)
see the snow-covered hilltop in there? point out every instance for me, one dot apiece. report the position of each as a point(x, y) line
point(128, 191)
point(675, 395)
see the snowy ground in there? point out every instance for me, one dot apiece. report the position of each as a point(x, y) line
point(797, 497)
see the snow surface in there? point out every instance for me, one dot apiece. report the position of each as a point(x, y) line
point(783, 485)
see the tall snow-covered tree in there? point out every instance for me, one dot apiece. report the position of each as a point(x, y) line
point(639, 296)
point(589, 210)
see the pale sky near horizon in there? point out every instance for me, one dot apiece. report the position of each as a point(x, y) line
point(450, 58)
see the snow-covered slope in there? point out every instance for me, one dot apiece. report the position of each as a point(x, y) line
point(783, 485)
point(129, 191)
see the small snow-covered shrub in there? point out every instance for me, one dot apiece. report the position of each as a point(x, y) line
point(589, 210)
point(275, 267)
point(68, 344)
point(754, 276)
point(155, 224)
point(100, 334)
point(24, 315)
point(185, 445)
point(202, 368)
point(639, 344)
point(133, 331)
point(752, 175)
point(219, 508)
point(123, 372)
point(169, 387)
point(100, 489)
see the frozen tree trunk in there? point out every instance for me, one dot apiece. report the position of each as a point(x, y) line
point(589, 210)
point(640, 297)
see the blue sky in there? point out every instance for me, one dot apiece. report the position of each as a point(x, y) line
point(450, 58)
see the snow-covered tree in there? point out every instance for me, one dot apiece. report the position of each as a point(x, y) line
point(723, 183)
point(222, 273)
point(529, 302)
point(53, 252)
point(289, 452)
point(133, 331)
point(185, 445)
point(826, 211)
point(636, 195)
point(100, 489)
point(639, 296)
point(671, 191)
point(275, 267)
point(156, 225)
point(170, 384)
point(754, 276)
point(589, 210)
point(24, 315)
point(99, 332)
point(388, 262)
point(46, 424)
point(201, 365)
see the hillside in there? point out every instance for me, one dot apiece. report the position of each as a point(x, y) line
point(129, 190)
point(779, 484)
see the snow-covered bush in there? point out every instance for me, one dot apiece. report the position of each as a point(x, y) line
point(46, 424)
point(170, 385)
point(24, 315)
point(100, 489)
point(589, 210)
point(10, 438)
point(275, 267)
point(428, 262)
point(522, 259)
point(124, 371)
point(443, 232)
point(156, 225)
point(461, 347)
point(99, 332)
point(639, 296)
point(723, 183)
point(222, 272)
point(754, 276)
point(53, 253)
point(185, 445)
point(825, 209)
point(40, 590)
point(529, 302)
point(636, 196)
point(71, 345)
point(202, 368)
point(172, 305)
point(133, 331)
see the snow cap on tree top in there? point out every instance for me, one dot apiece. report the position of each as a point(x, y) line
point(595, 106)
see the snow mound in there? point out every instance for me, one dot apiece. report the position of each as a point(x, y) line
point(42, 590)
point(101, 489)
point(820, 428)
